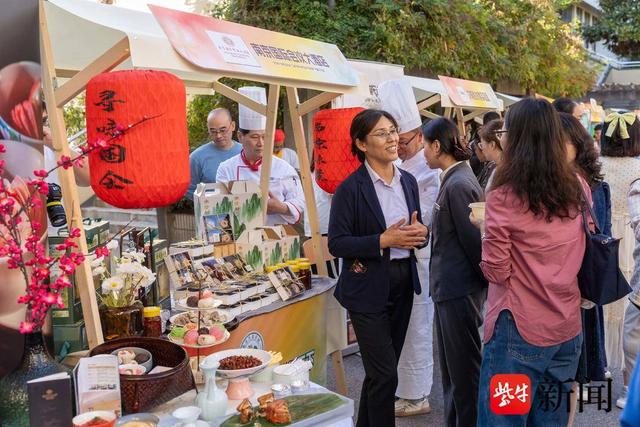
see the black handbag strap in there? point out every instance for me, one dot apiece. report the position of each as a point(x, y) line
point(585, 202)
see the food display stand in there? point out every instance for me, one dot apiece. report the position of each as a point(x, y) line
point(80, 40)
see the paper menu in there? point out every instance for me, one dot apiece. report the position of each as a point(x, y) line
point(98, 384)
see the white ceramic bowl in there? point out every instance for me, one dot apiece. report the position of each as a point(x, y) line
point(264, 356)
point(280, 378)
point(133, 367)
point(137, 350)
point(108, 416)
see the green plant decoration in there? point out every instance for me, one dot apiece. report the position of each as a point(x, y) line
point(238, 228)
point(254, 258)
point(294, 252)
point(276, 255)
point(251, 208)
point(224, 206)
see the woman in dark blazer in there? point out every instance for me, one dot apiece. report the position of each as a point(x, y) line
point(456, 282)
point(374, 227)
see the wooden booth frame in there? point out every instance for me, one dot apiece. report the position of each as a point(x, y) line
point(57, 95)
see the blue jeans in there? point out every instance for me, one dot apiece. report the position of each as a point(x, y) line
point(547, 367)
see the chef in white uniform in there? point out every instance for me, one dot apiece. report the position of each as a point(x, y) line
point(286, 199)
point(415, 368)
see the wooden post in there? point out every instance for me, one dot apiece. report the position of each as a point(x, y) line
point(70, 198)
point(460, 120)
point(305, 176)
point(267, 156)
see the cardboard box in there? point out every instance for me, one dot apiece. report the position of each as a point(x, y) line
point(260, 248)
point(96, 234)
point(224, 212)
point(75, 335)
point(289, 241)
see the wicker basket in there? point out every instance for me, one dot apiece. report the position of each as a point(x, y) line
point(142, 393)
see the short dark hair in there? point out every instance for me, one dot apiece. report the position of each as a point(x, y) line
point(616, 146)
point(488, 132)
point(598, 126)
point(564, 105)
point(362, 124)
point(490, 116)
point(243, 131)
point(446, 131)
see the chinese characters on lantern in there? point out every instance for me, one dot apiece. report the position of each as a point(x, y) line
point(114, 153)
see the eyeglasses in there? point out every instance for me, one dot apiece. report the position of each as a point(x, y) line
point(385, 134)
point(404, 144)
point(500, 132)
point(220, 131)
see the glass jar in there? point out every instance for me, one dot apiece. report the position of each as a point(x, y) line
point(152, 322)
point(304, 273)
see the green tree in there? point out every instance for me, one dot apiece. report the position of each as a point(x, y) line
point(74, 115)
point(619, 27)
point(493, 40)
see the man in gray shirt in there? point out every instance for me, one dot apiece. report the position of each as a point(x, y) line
point(204, 160)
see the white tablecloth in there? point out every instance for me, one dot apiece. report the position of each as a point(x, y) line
point(189, 398)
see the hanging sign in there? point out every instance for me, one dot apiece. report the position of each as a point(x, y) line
point(470, 94)
point(237, 49)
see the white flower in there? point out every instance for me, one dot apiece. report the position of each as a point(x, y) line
point(98, 271)
point(112, 284)
point(127, 268)
point(97, 262)
point(134, 256)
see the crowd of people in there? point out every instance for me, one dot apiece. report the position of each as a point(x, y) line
point(512, 274)
point(496, 294)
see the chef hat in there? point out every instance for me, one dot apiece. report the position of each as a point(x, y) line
point(396, 97)
point(249, 119)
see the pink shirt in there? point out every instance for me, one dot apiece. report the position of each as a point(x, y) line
point(532, 267)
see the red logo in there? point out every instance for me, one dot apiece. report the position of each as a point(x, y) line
point(510, 394)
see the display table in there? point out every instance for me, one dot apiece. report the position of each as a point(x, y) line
point(339, 417)
point(295, 328)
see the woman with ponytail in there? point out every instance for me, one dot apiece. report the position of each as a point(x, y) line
point(456, 282)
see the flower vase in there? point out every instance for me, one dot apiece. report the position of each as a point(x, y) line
point(212, 401)
point(36, 363)
point(121, 322)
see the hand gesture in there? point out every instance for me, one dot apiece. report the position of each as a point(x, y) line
point(404, 237)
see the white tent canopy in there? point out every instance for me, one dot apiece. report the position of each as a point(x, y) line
point(81, 31)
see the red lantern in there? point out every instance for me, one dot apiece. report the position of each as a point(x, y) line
point(148, 165)
point(332, 154)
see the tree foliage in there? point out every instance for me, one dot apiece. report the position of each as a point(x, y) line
point(494, 40)
point(619, 27)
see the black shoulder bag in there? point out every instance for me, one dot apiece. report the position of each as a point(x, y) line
point(600, 279)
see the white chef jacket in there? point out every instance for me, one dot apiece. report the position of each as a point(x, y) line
point(415, 366)
point(284, 184)
point(290, 156)
point(428, 184)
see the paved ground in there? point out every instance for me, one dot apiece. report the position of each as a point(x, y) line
point(591, 417)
